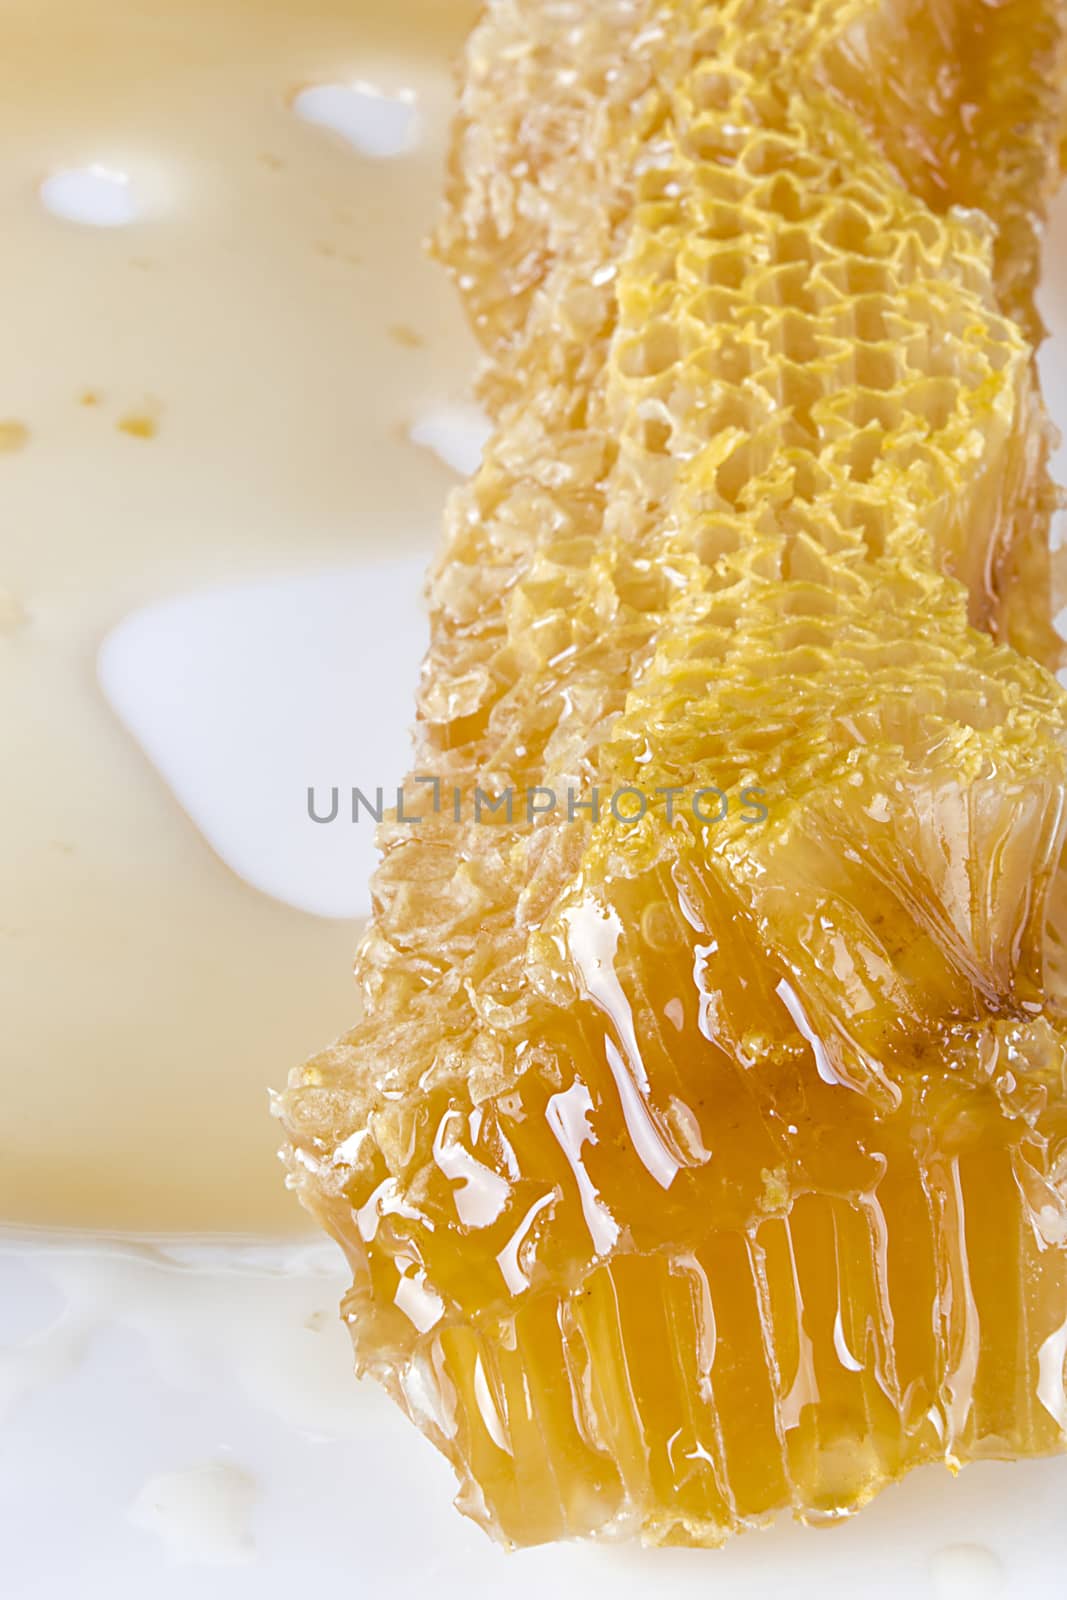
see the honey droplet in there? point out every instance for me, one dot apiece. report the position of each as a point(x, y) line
point(402, 334)
point(14, 436)
point(138, 426)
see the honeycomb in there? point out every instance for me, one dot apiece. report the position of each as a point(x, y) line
point(702, 1149)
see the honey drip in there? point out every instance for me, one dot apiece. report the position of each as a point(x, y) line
point(694, 1169)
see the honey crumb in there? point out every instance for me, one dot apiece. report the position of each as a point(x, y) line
point(401, 333)
point(138, 426)
point(12, 615)
point(13, 436)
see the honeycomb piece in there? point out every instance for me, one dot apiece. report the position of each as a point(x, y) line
point(702, 1149)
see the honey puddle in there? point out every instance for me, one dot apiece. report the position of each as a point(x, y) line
point(220, 391)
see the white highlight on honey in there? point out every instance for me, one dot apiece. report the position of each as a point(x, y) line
point(372, 121)
point(96, 196)
point(246, 698)
point(457, 435)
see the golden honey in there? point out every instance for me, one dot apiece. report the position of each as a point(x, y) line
point(703, 1155)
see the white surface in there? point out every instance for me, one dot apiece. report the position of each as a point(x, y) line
point(162, 1377)
point(201, 1514)
point(967, 1572)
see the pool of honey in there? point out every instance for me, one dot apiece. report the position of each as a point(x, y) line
point(220, 391)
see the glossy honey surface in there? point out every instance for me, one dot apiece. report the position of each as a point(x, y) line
point(216, 395)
